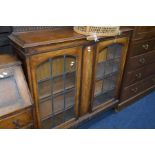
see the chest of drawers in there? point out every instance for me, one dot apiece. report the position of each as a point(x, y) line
point(140, 67)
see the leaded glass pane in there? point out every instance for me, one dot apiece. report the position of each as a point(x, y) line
point(107, 72)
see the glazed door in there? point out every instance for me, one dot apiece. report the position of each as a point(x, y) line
point(109, 65)
point(57, 85)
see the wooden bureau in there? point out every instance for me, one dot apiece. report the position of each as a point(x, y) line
point(139, 76)
point(15, 99)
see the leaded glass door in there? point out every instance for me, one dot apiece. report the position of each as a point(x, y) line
point(57, 82)
point(109, 66)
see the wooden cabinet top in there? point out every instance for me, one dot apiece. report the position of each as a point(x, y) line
point(45, 37)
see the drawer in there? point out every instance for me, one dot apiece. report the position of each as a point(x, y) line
point(144, 29)
point(135, 89)
point(139, 74)
point(149, 82)
point(141, 47)
point(141, 60)
point(20, 120)
point(142, 32)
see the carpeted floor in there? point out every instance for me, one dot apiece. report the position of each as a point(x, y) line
point(140, 115)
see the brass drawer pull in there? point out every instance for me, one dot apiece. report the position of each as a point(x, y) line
point(134, 90)
point(146, 46)
point(142, 60)
point(17, 123)
point(138, 75)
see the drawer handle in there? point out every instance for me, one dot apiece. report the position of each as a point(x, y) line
point(142, 60)
point(146, 46)
point(134, 90)
point(138, 75)
point(17, 123)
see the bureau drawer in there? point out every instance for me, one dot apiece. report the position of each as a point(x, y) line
point(141, 60)
point(139, 74)
point(137, 88)
point(142, 47)
point(20, 120)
